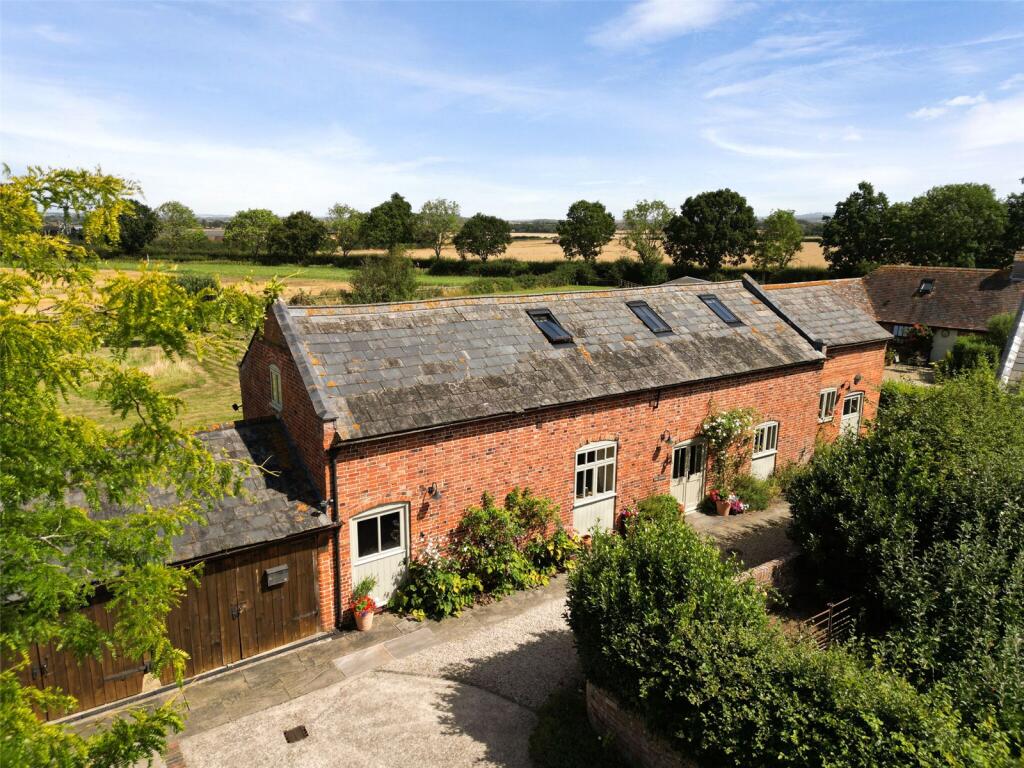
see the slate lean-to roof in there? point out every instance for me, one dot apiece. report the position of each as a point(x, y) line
point(962, 299)
point(277, 500)
point(835, 311)
point(390, 368)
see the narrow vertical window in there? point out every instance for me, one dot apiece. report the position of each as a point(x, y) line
point(595, 472)
point(276, 401)
point(827, 404)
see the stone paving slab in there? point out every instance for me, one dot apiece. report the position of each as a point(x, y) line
point(406, 645)
point(362, 661)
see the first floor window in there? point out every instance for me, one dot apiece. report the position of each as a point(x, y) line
point(901, 331)
point(275, 388)
point(766, 438)
point(827, 404)
point(595, 471)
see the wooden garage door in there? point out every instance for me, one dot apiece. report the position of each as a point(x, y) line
point(232, 614)
point(236, 612)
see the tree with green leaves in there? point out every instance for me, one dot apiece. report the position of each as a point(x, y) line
point(139, 226)
point(645, 231)
point(344, 224)
point(179, 227)
point(295, 239)
point(712, 229)
point(1014, 234)
point(249, 231)
point(391, 277)
point(585, 230)
point(389, 224)
point(921, 522)
point(956, 225)
point(483, 236)
point(436, 223)
point(777, 242)
point(856, 236)
point(63, 332)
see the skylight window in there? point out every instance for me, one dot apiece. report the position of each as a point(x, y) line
point(649, 317)
point(724, 313)
point(549, 326)
point(927, 286)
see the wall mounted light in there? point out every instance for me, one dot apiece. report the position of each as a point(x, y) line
point(434, 491)
point(857, 379)
point(666, 437)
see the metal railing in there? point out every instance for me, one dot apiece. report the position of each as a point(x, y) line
point(831, 625)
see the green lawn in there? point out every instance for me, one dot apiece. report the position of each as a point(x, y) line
point(208, 387)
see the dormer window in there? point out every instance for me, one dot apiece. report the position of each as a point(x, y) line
point(549, 326)
point(724, 313)
point(927, 286)
point(649, 317)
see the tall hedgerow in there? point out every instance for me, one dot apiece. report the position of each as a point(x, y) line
point(660, 620)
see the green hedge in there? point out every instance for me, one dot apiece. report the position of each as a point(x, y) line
point(661, 621)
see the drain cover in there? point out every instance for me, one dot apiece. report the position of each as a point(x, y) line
point(298, 733)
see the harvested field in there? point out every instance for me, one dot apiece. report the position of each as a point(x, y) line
point(544, 249)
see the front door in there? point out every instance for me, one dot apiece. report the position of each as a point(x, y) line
point(852, 406)
point(766, 444)
point(688, 464)
point(380, 546)
point(594, 500)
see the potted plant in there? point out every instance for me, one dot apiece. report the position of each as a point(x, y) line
point(363, 606)
point(722, 503)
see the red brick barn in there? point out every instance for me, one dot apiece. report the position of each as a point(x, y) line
point(405, 413)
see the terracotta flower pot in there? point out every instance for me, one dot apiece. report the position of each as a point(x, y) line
point(364, 620)
point(587, 540)
point(722, 507)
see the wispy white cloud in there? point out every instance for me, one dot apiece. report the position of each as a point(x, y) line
point(994, 124)
point(301, 12)
point(653, 21)
point(51, 34)
point(762, 150)
point(931, 113)
point(1012, 82)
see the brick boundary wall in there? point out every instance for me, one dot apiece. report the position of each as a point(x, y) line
point(629, 735)
point(777, 574)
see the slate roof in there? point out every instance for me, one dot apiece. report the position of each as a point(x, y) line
point(831, 310)
point(278, 499)
point(391, 368)
point(1011, 366)
point(963, 299)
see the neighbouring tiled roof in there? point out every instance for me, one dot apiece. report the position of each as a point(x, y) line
point(1011, 367)
point(277, 500)
point(390, 368)
point(835, 311)
point(961, 298)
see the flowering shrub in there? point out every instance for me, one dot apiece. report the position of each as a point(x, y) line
point(727, 435)
point(434, 586)
point(494, 550)
point(736, 505)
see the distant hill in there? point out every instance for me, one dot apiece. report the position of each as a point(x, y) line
point(816, 216)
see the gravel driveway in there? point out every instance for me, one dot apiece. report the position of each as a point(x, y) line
point(468, 699)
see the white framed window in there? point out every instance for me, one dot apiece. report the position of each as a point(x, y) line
point(595, 471)
point(766, 438)
point(827, 399)
point(276, 401)
point(378, 534)
point(901, 331)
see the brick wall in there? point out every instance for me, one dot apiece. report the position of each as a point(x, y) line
point(538, 451)
point(841, 368)
point(310, 435)
point(325, 581)
point(628, 733)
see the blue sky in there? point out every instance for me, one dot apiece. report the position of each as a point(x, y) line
point(516, 109)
